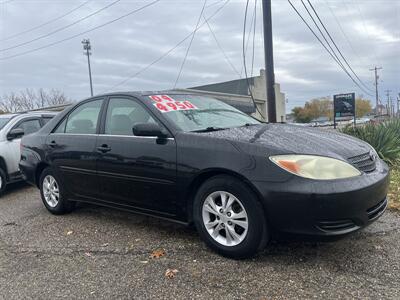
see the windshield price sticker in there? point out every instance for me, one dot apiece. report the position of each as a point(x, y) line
point(165, 103)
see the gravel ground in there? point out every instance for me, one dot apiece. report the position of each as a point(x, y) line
point(102, 253)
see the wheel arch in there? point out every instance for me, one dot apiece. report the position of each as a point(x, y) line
point(207, 174)
point(39, 169)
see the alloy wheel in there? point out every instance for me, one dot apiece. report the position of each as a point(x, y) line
point(225, 218)
point(51, 191)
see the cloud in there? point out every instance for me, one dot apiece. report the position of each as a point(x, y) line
point(376, 32)
point(368, 35)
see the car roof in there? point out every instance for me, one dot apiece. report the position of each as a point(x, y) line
point(146, 93)
point(29, 113)
point(8, 115)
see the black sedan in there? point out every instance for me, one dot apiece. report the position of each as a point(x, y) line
point(194, 159)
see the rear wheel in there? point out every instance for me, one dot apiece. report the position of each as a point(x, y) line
point(3, 181)
point(229, 217)
point(53, 194)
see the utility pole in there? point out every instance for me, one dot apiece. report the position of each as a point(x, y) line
point(269, 61)
point(378, 111)
point(87, 47)
point(398, 106)
point(389, 105)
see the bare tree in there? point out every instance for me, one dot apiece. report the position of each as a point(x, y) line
point(29, 99)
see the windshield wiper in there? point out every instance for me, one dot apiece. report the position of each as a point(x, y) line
point(209, 129)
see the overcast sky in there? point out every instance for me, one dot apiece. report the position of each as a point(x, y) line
point(367, 32)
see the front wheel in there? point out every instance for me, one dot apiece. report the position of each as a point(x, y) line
point(53, 194)
point(229, 217)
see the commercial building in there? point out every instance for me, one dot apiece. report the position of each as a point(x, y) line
point(236, 93)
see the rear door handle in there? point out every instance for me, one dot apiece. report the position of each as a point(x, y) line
point(104, 148)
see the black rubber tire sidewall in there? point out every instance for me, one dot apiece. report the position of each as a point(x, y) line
point(3, 181)
point(257, 230)
point(64, 206)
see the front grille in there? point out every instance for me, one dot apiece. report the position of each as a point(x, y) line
point(377, 210)
point(339, 225)
point(364, 162)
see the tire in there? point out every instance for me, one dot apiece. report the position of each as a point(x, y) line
point(3, 181)
point(232, 240)
point(55, 202)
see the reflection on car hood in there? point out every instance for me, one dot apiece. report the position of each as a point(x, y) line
point(286, 138)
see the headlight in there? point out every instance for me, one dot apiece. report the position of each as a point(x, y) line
point(315, 167)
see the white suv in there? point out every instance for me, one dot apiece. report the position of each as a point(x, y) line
point(12, 128)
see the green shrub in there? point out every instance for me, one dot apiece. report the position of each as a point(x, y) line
point(384, 137)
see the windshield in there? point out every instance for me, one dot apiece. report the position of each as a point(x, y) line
point(198, 113)
point(4, 121)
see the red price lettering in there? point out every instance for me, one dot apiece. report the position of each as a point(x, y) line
point(156, 98)
point(171, 105)
point(189, 105)
point(162, 107)
point(167, 98)
point(180, 105)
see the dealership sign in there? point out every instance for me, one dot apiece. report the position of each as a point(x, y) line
point(344, 106)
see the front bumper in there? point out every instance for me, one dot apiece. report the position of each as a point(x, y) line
point(326, 208)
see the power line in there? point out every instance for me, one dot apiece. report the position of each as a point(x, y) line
point(324, 37)
point(254, 37)
point(323, 45)
point(45, 23)
point(342, 30)
point(248, 38)
point(190, 44)
point(214, 3)
point(337, 48)
point(337, 59)
point(221, 49)
point(165, 54)
point(365, 27)
point(61, 28)
point(81, 33)
point(244, 60)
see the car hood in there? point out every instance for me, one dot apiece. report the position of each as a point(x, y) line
point(287, 139)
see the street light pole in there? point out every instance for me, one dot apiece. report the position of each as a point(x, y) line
point(269, 61)
point(88, 47)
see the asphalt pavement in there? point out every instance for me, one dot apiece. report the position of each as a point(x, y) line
point(100, 253)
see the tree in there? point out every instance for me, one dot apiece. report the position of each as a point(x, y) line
point(300, 115)
point(29, 99)
point(323, 107)
point(363, 107)
point(313, 109)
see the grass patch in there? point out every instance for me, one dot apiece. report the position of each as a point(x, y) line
point(394, 189)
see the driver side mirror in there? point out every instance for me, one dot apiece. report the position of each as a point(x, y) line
point(149, 129)
point(15, 134)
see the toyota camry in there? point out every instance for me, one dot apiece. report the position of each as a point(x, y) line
point(196, 160)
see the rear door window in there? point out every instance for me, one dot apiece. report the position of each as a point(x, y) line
point(84, 119)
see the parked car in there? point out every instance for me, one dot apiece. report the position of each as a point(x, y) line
point(194, 159)
point(12, 128)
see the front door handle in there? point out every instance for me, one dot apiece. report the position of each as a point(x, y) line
point(52, 144)
point(104, 148)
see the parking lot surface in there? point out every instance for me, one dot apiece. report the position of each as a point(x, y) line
point(102, 253)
